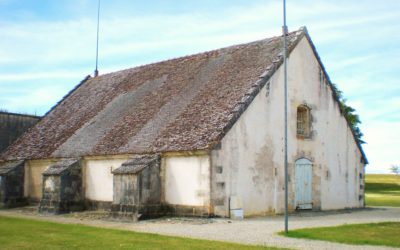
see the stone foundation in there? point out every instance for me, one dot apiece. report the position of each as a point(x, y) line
point(188, 211)
point(98, 205)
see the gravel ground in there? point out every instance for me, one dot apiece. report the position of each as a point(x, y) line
point(258, 231)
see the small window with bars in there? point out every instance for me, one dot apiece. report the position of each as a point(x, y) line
point(303, 121)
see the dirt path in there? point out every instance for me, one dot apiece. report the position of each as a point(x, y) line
point(259, 231)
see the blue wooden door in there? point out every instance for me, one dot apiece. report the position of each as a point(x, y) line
point(303, 183)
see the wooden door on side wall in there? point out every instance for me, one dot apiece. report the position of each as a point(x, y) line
point(303, 183)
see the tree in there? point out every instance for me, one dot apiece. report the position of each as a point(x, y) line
point(395, 169)
point(349, 113)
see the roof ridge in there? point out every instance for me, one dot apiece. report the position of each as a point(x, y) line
point(301, 29)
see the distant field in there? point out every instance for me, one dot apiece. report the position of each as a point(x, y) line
point(382, 190)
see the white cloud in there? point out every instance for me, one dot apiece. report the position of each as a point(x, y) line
point(383, 147)
point(35, 99)
point(45, 43)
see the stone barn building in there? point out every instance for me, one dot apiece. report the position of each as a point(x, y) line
point(198, 135)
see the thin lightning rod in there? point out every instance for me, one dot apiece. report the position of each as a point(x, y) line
point(285, 31)
point(96, 72)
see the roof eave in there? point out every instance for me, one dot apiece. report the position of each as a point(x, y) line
point(333, 92)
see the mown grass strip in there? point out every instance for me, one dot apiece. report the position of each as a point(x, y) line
point(16, 233)
point(384, 234)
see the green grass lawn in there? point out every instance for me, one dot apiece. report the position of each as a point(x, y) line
point(18, 233)
point(385, 233)
point(382, 190)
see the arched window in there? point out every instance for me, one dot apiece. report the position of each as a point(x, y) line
point(303, 121)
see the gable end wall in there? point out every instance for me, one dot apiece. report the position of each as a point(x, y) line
point(251, 153)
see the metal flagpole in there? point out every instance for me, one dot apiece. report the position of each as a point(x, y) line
point(96, 72)
point(285, 31)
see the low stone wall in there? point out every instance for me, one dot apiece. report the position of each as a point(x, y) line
point(14, 125)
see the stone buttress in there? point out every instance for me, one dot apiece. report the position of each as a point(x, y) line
point(137, 188)
point(12, 184)
point(62, 187)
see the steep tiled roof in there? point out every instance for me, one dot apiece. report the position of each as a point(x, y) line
point(188, 103)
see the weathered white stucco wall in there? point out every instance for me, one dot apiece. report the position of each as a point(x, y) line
point(249, 163)
point(332, 148)
point(96, 174)
point(98, 177)
point(186, 180)
point(33, 178)
point(249, 156)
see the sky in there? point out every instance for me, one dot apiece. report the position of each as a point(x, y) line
point(47, 47)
